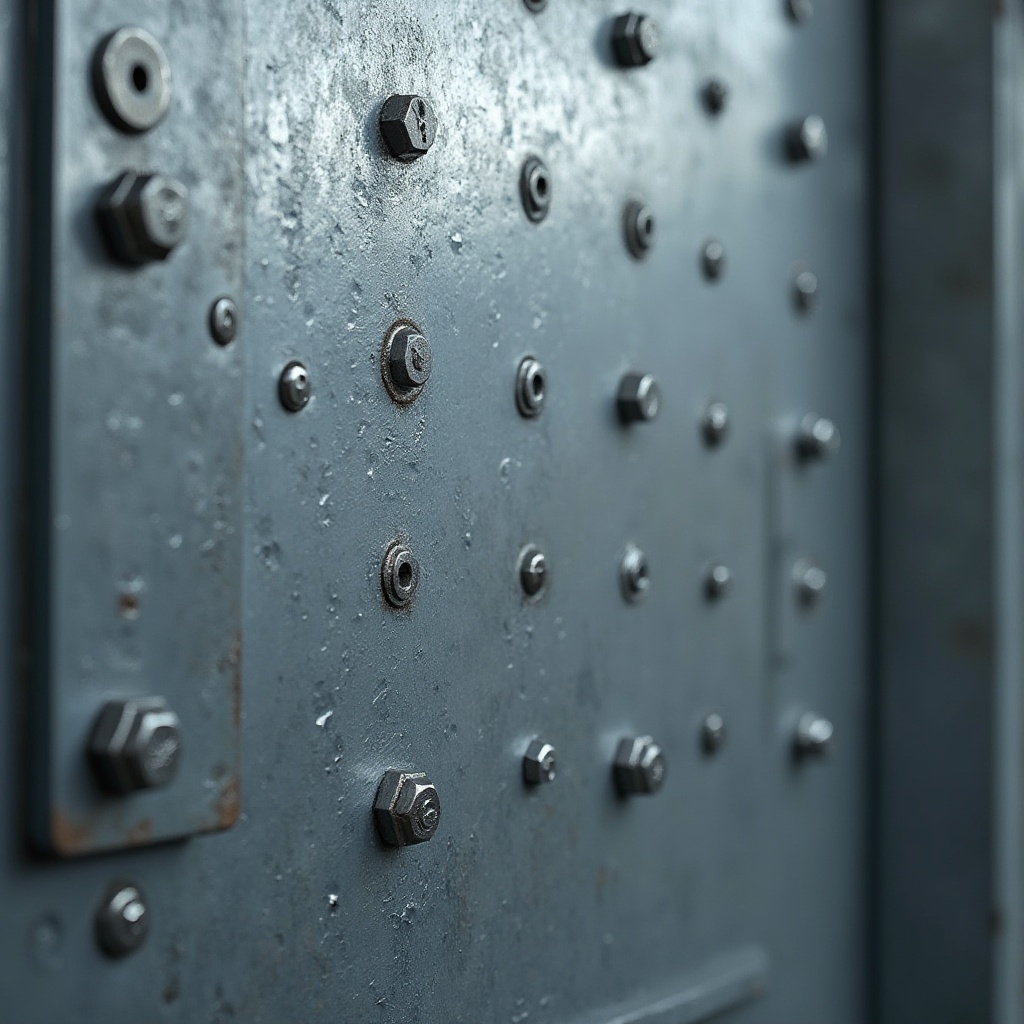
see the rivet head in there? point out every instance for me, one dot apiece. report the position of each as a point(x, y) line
point(805, 290)
point(539, 763)
point(408, 126)
point(294, 388)
point(143, 217)
point(132, 79)
point(807, 140)
point(135, 745)
point(634, 574)
point(405, 363)
point(223, 320)
point(639, 766)
point(712, 259)
point(531, 387)
point(399, 575)
point(535, 188)
point(813, 735)
point(817, 438)
point(638, 399)
point(717, 581)
point(714, 424)
point(533, 570)
point(638, 226)
point(407, 809)
point(635, 40)
point(714, 93)
point(712, 733)
point(122, 920)
point(810, 581)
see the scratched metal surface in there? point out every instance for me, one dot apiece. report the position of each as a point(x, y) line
point(565, 904)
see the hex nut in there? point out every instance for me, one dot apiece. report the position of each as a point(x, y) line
point(132, 79)
point(407, 809)
point(807, 140)
point(293, 387)
point(817, 438)
point(535, 188)
point(122, 920)
point(223, 320)
point(539, 763)
point(638, 398)
point(639, 766)
point(405, 362)
point(531, 387)
point(636, 40)
point(714, 424)
point(399, 575)
point(135, 744)
point(143, 217)
point(634, 574)
point(533, 570)
point(638, 226)
point(408, 126)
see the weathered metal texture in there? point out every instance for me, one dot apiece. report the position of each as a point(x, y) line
point(137, 516)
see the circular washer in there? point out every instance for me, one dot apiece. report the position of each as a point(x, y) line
point(132, 79)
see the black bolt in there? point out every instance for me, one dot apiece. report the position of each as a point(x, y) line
point(714, 94)
point(408, 125)
point(635, 40)
point(409, 359)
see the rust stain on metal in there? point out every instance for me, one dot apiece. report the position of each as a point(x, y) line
point(228, 803)
point(68, 836)
point(140, 834)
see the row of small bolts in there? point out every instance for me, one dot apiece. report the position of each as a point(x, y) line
point(798, 11)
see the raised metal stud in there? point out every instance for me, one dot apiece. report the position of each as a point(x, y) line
point(712, 259)
point(638, 225)
point(294, 388)
point(399, 575)
point(533, 570)
point(531, 387)
point(408, 126)
point(817, 438)
point(712, 733)
point(638, 398)
point(807, 140)
point(132, 79)
point(634, 574)
point(635, 40)
point(407, 809)
point(122, 920)
point(714, 94)
point(539, 763)
point(813, 735)
point(143, 217)
point(714, 424)
point(535, 188)
point(810, 581)
point(805, 290)
point(135, 744)
point(717, 581)
point(639, 766)
point(405, 362)
point(223, 320)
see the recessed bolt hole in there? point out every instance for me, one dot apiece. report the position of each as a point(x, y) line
point(537, 385)
point(140, 78)
point(405, 575)
point(542, 185)
point(648, 226)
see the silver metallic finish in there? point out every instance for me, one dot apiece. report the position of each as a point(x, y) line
point(533, 570)
point(714, 424)
point(223, 320)
point(634, 574)
point(399, 575)
point(531, 387)
point(810, 581)
point(407, 809)
point(638, 225)
point(805, 290)
point(294, 388)
point(813, 735)
point(712, 259)
point(122, 920)
point(807, 140)
point(717, 581)
point(638, 398)
point(144, 217)
point(135, 745)
point(539, 763)
point(639, 766)
point(535, 188)
point(132, 79)
point(799, 11)
point(714, 95)
point(712, 733)
point(635, 40)
point(408, 126)
point(817, 437)
point(405, 362)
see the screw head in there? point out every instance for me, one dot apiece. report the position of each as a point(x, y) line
point(807, 139)
point(717, 581)
point(813, 735)
point(712, 259)
point(533, 570)
point(634, 574)
point(408, 125)
point(399, 575)
point(638, 398)
point(714, 94)
point(132, 79)
point(639, 766)
point(143, 217)
point(223, 320)
point(805, 290)
point(712, 733)
point(817, 438)
point(714, 424)
point(531, 387)
point(122, 920)
point(539, 763)
point(294, 388)
point(638, 224)
point(799, 11)
point(635, 40)
point(135, 745)
point(407, 809)
point(810, 581)
point(535, 188)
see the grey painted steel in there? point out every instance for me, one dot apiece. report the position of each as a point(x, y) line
point(564, 902)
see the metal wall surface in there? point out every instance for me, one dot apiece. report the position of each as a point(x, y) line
point(740, 885)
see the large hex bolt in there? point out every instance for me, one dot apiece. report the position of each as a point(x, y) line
point(135, 744)
point(132, 79)
point(122, 920)
point(405, 362)
point(638, 398)
point(635, 40)
point(539, 763)
point(638, 226)
point(407, 809)
point(639, 766)
point(817, 437)
point(143, 216)
point(399, 575)
point(535, 188)
point(408, 126)
point(807, 140)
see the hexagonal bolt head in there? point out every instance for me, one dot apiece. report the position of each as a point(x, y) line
point(638, 398)
point(293, 387)
point(399, 575)
point(639, 766)
point(638, 225)
point(405, 362)
point(807, 139)
point(531, 387)
point(712, 733)
point(407, 809)
point(533, 570)
point(408, 126)
point(635, 40)
point(805, 290)
point(539, 763)
point(143, 217)
point(714, 424)
point(122, 920)
point(132, 79)
point(535, 188)
point(135, 744)
point(714, 93)
point(717, 581)
point(813, 735)
point(634, 574)
point(817, 438)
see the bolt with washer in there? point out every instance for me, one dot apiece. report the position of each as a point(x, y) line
point(408, 126)
point(132, 79)
point(539, 763)
point(817, 438)
point(639, 766)
point(807, 140)
point(712, 733)
point(533, 570)
point(407, 809)
point(636, 40)
point(717, 581)
point(638, 398)
point(135, 745)
point(531, 387)
point(813, 735)
point(223, 320)
point(122, 920)
point(293, 387)
point(714, 424)
point(638, 225)
point(399, 575)
point(405, 362)
point(634, 574)
point(810, 581)
point(535, 188)
point(143, 217)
